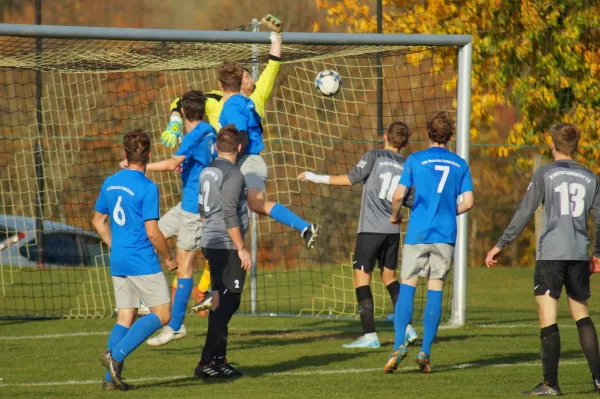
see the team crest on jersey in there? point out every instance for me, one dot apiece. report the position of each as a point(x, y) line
point(362, 164)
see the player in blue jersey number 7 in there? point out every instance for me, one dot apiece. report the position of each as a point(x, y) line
point(439, 178)
point(130, 200)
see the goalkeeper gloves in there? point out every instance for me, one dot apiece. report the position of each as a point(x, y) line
point(172, 134)
point(272, 23)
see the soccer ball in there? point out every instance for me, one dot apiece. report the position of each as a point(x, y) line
point(328, 82)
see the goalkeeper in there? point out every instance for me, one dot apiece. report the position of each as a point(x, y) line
point(259, 93)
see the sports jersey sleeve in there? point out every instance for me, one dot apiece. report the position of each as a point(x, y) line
point(233, 184)
point(101, 203)
point(212, 107)
point(363, 168)
point(150, 204)
point(596, 209)
point(264, 85)
point(236, 114)
point(466, 184)
point(186, 146)
point(407, 178)
point(409, 198)
point(533, 198)
point(205, 152)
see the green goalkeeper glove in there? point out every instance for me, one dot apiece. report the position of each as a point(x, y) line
point(272, 23)
point(171, 136)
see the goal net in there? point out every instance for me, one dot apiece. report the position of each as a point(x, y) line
point(66, 103)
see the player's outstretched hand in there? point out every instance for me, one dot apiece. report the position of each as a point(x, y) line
point(124, 164)
point(272, 23)
point(172, 264)
point(490, 259)
point(302, 176)
point(595, 265)
point(171, 135)
point(246, 258)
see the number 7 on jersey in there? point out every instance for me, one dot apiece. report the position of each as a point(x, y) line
point(445, 169)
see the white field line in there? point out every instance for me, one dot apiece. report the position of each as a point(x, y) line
point(282, 331)
point(461, 366)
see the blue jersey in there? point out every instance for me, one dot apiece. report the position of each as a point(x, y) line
point(241, 111)
point(129, 198)
point(198, 147)
point(439, 177)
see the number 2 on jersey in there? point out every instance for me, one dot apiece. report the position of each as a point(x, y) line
point(388, 185)
point(445, 169)
point(205, 193)
point(574, 204)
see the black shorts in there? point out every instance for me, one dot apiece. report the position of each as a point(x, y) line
point(226, 273)
point(551, 275)
point(376, 247)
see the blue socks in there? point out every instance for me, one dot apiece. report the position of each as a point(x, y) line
point(403, 312)
point(284, 216)
point(116, 335)
point(182, 296)
point(138, 333)
point(431, 319)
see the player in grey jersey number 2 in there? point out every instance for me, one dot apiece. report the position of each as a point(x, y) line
point(378, 240)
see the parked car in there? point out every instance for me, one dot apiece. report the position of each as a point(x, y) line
point(64, 245)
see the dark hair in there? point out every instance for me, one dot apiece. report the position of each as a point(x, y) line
point(137, 146)
point(440, 128)
point(193, 103)
point(228, 139)
point(565, 137)
point(230, 76)
point(398, 134)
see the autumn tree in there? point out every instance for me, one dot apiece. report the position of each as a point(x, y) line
point(540, 56)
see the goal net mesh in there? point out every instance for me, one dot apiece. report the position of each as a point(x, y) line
point(52, 163)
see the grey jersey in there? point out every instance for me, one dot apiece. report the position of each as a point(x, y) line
point(567, 192)
point(380, 171)
point(223, 203)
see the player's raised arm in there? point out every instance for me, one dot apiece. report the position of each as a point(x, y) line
point(172, 134)
point(260, 91)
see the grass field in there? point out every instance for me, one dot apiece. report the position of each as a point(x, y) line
point(495, 356)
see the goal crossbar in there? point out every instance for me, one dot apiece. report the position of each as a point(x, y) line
point(173, 35)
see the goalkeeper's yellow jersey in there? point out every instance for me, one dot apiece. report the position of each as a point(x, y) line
point(262, 91)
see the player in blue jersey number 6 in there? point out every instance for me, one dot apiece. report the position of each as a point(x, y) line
point(130, 200)
point(439, 178)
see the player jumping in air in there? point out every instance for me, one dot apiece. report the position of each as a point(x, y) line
point(439, 177)
point(252, 164)
point(377, 240)
point(225, 213)
point(130, 200)
point(567, 192)
point(183, 220)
